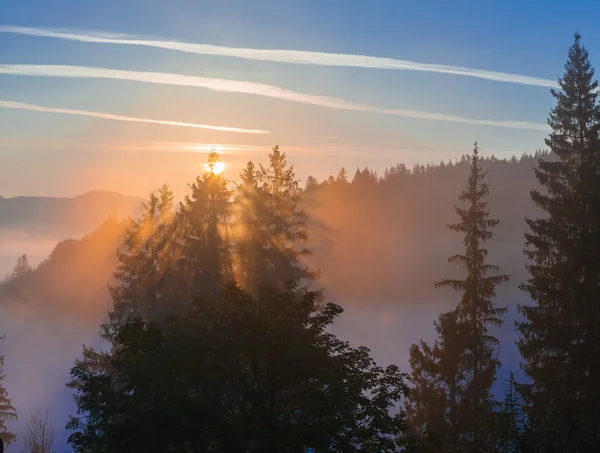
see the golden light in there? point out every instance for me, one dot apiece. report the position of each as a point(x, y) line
point(217, 167)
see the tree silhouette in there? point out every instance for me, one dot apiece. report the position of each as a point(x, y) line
point(560, 334)
point(453, 379)
point(39, 435)
point(311, 183)
point(285, 224)
point(342, 175)
point(250, 231)
point(250, 373)
point(203, 236)
point(22, 267)
point(7, 411)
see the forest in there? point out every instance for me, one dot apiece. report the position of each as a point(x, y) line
point(220, 331)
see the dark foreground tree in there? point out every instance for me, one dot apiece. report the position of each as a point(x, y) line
point(560, 335)
point(7, 411)
point(249, 374)
point(451, 395)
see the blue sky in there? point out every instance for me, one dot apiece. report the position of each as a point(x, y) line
point(52, 153)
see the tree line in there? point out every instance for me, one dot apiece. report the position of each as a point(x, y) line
point(218, 333)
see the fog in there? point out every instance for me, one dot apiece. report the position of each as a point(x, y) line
point(379, 248)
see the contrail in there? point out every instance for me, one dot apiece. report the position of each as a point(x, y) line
point(236, 86)
point(108, 116)
point(282, 56)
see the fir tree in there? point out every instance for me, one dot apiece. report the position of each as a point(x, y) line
point(143, 266)
point(135, 293)
point(342, 175)
point(311, 183)
point(203, 235)
point(453, 379)
point(285, 222)
point(22, 267)
point(249, 231)
point(513, 423)
point(7, 411)
point(560, 334)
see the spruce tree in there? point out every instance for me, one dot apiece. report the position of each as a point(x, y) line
point(7, 411)
point(203, 236)
point(311, 183)
point(560, 333)
point(249, 230)
point(142, 267)
point(453, 379)
point(22, 267)
point(134, 293)
point(342, 175)
point(513, 427)
point(285, 223)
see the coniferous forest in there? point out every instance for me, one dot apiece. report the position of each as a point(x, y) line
point(219, 335)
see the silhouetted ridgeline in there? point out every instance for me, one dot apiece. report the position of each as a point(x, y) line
point(84, 212)
point(376, 240)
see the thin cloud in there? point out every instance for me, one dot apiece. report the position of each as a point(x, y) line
point(284, 56)
point(108, 116)
point(236, 86)
point(374, 152)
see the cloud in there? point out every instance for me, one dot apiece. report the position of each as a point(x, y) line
point(284, 56)
point(108, 116)
point(236, 86)
point(373, 152)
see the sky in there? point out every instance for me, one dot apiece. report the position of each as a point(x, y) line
point(128, 94)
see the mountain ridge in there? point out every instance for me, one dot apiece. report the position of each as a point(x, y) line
point(81, 212)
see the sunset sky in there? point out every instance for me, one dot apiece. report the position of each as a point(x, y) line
point(126, 95)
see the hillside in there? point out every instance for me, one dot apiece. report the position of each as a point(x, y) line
point(81, 213)
point(72, 280)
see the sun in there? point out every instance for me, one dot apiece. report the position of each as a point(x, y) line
point(217, 167)
point(213, 163)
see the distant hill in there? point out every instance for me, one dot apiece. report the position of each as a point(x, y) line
point(84, 212)
point(73, 279)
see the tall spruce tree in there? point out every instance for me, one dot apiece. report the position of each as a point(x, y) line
point(250, 230)
point(143, 263)
point(560, 334)
point(135, 293)
point(203, 236)
point(7, 411)
point(285, 224)
point(451, 395)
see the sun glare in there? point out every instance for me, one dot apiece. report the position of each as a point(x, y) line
point(217, 167)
